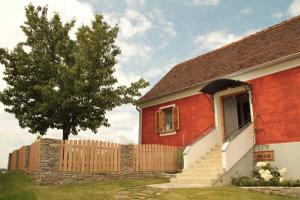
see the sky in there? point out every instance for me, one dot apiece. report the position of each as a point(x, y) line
point(154, 35)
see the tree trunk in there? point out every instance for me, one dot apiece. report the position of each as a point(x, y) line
point(66, 133)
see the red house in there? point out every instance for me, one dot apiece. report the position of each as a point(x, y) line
point(231, 107)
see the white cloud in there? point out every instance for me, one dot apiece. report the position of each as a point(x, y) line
point(278, 15)
point(216, 39)
point(206, 2)
point(135, 3)
point(165, 29)
point(294, 8)
point(133, 23)
point(133, 51)
point(125, 78)
point(12, 16)
point(155, 73)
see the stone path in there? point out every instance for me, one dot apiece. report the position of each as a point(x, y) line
point(285, 191)
point(137, 193)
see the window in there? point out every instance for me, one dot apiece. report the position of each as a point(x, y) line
point(167, 119)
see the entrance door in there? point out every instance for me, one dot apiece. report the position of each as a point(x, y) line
point(236, 114)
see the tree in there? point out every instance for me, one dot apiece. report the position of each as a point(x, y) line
point(56, 82)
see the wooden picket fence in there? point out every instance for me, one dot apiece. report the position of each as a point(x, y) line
point(21, 159)
point(34, 156)
point(89, 156)
point(13, 161)
point(98, 156)
point(155, 158)
point(18, 158)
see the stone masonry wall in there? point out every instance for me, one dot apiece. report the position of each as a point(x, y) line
point(80, 177)
point(285, 191)
point(127, 159)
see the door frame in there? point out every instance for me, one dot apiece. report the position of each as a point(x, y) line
point(222, 111)
point(219, 112)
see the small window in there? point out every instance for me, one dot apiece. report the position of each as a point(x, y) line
point(167, 120)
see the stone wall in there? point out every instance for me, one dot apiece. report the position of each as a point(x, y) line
point(286, 191)
point(80, 177)
point(127, 159)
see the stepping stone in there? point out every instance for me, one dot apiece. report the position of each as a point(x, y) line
point(141, 194)
point(123, 192)
point(121, 196)
point(149, 191)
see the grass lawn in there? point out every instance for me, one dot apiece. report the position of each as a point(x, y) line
point(17, 186)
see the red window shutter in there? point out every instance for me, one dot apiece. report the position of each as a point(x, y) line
point(157, 122)
point(176, 118)
point(161, 121)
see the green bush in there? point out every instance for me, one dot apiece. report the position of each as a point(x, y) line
point(245, 181)
point(265, 175)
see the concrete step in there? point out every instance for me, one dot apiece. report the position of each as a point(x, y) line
point(212, 161)
point(206, 165)
point(203, 170)
point(213, 155)
point(202, 181)
point(198, 175)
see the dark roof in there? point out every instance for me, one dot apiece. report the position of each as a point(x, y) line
point(272, 43)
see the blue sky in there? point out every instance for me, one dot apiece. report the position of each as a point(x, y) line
point(154, 36)
point(186, 21)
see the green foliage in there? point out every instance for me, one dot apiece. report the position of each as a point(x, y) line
point(56, 82)
point(265, 175)
point(245, 181)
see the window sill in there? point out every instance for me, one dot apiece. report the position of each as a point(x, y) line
point(167, 133)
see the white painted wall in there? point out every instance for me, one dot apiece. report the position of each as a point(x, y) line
point(194, 152)
point(234, 150)
point(286, 155)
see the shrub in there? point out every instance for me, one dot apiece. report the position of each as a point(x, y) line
point(265, 175)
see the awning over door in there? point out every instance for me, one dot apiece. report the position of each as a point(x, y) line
point(221, 84)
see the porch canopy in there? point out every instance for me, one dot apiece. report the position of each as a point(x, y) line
point(221, 84)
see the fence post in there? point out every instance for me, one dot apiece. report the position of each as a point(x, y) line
point(17, 160)
point(49, 155)
point(127, 158)
point(9, 162)
point(26, 159)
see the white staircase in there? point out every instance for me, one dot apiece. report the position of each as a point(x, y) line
point(204, 172)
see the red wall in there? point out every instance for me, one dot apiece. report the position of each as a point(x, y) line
point(195, 117)
point(276, 105)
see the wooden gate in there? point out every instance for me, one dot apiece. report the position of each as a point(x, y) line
point(155, 158)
